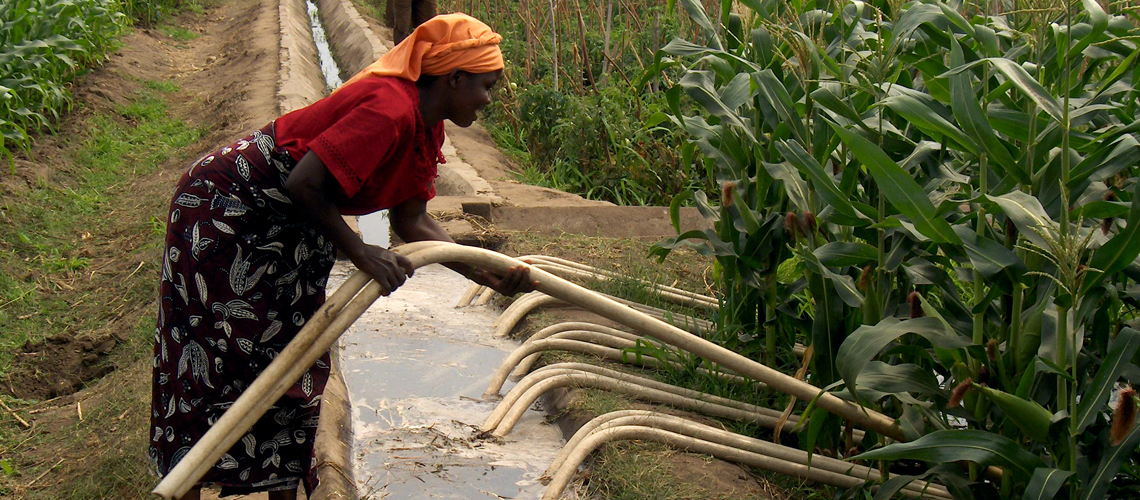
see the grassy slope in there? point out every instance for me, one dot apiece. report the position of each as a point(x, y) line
point(79, 254)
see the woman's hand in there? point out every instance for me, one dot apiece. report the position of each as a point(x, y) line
point(516, 280)
point(389, 269)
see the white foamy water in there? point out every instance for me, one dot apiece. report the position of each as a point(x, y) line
point(415, 368)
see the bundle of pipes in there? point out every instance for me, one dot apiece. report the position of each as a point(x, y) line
point(692, 436)
point(609, 337)
point(517, 310)
point(350, 301)
point(573, 270)
point(549, 377)
point(534, 300)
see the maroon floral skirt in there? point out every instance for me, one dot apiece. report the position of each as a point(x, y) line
point(241, 274)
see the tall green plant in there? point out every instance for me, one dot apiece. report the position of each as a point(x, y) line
point(956, 183)
point(43, 43)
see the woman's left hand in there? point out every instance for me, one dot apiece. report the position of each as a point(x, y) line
point(516, 280)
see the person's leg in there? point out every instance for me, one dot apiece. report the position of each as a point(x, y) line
point(283, 494)
point(389, 18)
point(401, 19)
point(422, 10)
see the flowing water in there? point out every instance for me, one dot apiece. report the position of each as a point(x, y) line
point(374, 227)
point(328, 65)
point(415, 367)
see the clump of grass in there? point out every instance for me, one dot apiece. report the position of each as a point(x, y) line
point(48, 286)
point(178, 33)
point(632, 470)
point(599, 402)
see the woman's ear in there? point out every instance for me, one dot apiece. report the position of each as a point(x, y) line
point(453, 78)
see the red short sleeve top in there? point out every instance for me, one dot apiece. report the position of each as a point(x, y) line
point(371, 138)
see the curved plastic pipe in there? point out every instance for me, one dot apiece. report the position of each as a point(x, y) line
point(485, 297)
point(546, 372)
point(611, 384)
point(314, 339)
point(500, 376)
point(679, 299)
point(630, 432)
point(585, 343)
point(572, 326)
point(518, 310)
point(698, 430)
point(611, 341)
point(690, 324)
point(519, 303)
point(514, 313)
point(468, 295)
point(684, 297)
point(612, 352)
point(557, 267)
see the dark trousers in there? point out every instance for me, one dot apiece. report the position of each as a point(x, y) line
point(404, 15)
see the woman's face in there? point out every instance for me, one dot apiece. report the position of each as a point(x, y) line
point(472, 92)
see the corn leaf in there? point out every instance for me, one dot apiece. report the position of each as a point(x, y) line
point(1026, 213)
point(1120, 251)
point(899, 188)
point(868, 340)
point(1097, 393)
point(846, 253)
point(1045, 483)
point(976, 446)
point(1110, 462)
point(990, 257)
point(823, 184)
point(1032, 418)
point(972, 117)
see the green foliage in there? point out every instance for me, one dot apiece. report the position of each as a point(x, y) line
point(570, 114)
point(950, 189)
point(43, 45)
point(594, 145)
point(150, 12)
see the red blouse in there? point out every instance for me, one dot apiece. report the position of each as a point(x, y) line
point(371, 138)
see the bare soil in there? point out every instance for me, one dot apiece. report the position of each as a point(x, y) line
point(58, 366)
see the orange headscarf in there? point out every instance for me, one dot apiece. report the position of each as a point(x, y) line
point(441, 44)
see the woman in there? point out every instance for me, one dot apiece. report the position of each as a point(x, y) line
point(251, 240)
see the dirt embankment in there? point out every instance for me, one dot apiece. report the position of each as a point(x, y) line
point(224, 92)
point(91, 443)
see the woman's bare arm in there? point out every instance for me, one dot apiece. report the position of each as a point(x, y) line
point(316, 192)
point(411, 222)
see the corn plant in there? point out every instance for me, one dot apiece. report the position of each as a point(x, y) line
point(956, 183)
point(43, 44)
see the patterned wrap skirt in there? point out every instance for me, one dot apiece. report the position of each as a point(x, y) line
point(241, 274)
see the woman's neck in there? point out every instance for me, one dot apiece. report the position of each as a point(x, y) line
point(431, 105)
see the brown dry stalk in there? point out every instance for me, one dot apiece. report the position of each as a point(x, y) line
point(23, 423)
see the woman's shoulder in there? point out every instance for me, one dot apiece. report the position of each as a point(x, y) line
point(396, 94)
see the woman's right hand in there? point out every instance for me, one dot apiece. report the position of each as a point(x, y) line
point(388, 268)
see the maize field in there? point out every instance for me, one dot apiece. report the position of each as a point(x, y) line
point(44, 44)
